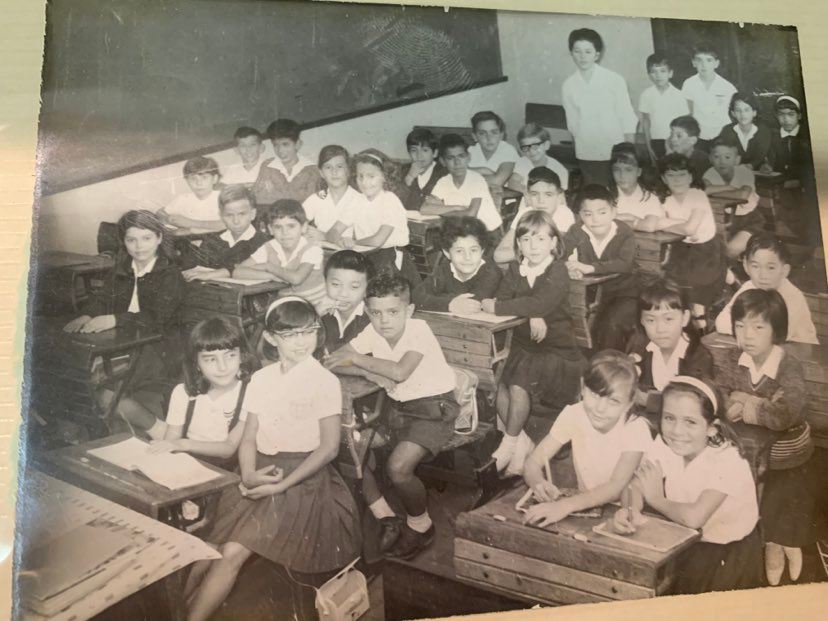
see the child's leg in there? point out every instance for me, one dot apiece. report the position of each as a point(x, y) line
point(134, 413)
point(218, 582)
point(774, 562)
point(419, 529)
point(737, 244)
point(513, 406)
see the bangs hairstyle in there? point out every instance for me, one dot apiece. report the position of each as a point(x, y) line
point(594, 192)
point(662, 294)
point(675, 162)
point(235, 192)
point(767, 304)
point(388, 285)
point(707, 48)
point(532, 221)
point(488, 115)
point(586, 34)
point(293, 314)
point(450, 141)
point(542, 174)
point(284, 128)
point(246, 132)
point(725, 141)
point(627, 153)
point(286, 208)
point(611, 371)
point(745, 97)
point(144, 219)
point(350, 260)
point(658, 60)
point(199, 165)
point(326, 154)
point(389, 169)
point(533, 130)
point(768, 241)
point(454, 228)
point(709, 410)
point(422, 137)
point(215, 334)
point(688, 123)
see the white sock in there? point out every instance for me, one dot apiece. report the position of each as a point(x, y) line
point(419, 523)
point(504, 452)
point(381, 509)
point(522, 450)
point(794, 557)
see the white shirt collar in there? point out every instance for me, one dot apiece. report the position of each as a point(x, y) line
point(600, 245)
point(460, 278)
point(280, 252)
point(531, 273)
point(249, 232)
point(769, 369)
point(147, 268)
point(665, 370)
point(785, 133)
point(301, 163)
point(359, 310)
point(745, 138)
point(423, 178)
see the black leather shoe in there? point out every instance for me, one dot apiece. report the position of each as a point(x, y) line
point(411, 543)
point(390, 528)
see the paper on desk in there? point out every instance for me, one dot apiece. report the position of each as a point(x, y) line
point(481, 316)
point(126, 454)
point(416, 216)
point(242, 281)
point(652, 534)
point(326, 245)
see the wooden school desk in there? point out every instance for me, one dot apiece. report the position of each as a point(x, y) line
point(65, 279)
point(358, 421)
point(424, 240)
point(652, 251)
point(723, 205)
point(542, 565)
point(76, 466)
point(584, 299)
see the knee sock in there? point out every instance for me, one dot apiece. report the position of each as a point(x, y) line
point(419, 523)
point(381, 509)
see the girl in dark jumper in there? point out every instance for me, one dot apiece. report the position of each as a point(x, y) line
point(752, 139)
point(544, 361)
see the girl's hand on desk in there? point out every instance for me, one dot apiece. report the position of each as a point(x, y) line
point(77, 323)
point(165, 446)
point(545, 491)
point(625, 524)
point(648, 224)
point(262, 476)
point(100, 323)
point(537, 329)
point(547, 513)
point(347, 242)
point(488, 306)
point(651, 478)
point(465, 304)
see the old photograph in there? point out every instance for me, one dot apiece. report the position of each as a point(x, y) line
point(344, 311)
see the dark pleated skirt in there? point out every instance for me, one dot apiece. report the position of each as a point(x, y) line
point(313, 527)
point(706, 567)
point(788, 507)
point(548, 376)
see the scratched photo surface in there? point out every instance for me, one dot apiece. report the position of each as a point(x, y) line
point(382, 312)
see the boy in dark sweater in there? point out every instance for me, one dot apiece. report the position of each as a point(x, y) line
point(424, 171)
point(462, 277)
point(347, 273)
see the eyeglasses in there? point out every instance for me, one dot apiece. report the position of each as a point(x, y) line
point(289, 335)
point(525, 148)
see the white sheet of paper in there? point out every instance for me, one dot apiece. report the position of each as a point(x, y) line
point(126, 454)
point(176, 470)
point(242, 281)
point(481, 316)
point(416, 216)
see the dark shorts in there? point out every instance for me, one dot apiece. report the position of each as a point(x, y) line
point(428, 421)
point(753, 223)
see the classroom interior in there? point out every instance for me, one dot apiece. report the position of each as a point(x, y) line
point(483, 559)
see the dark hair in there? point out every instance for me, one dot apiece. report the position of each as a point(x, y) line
point(765, 303)
point(660, 294)
point(327, 153)
point(745, 97)
point(487, 115)
point(586, 34)
point(609, 368)
point(675, 162)
point(214, 334)
point(709, 412)
point(768, 241)
point(658, 60)
point(199, 165)
point(593, 192)
point(286, 208)
point(350, 260)
point(246, 132)
point(454, 228)
point(688, 123)
point(533, 220)
point(390, 169)
point(705, 47)
point(542, 174)
point(389, 285)
point(627, 153)
point(784, 102)
point(724, 141)
point(235, 192)
point(533, 130)
point(144, 219)
point(284, 128)
point(450, 141)
point(292, 314)
point(421, 137)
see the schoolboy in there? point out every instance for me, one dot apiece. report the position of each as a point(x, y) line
point(659, 104)
point(461, 277)
point(222, 252)
point(250, 149)
point(768, 263)
point(347, 273)
point(462, 192)
point(403, 355)
point(491, 155)
point(422, 174)
point(708, 95)
point(684, 136)
point(198, 208)
point(289, 174)
point(534, 141)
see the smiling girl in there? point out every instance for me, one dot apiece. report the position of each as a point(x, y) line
point(752, 139)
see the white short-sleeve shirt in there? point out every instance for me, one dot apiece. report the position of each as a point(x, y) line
point(596, 454)
point(384, 209)
point(524, 166)
point(211, 417)
point(433, 376)
point(694, 199)
point(504, 153)
point(237, 174)
point(289, 405)
point(662, 108)
point(721, 469)
point(742, 176)
point(309, 253)
point(562, 217)
point(191, 206)
point(473, 186)
point(710, 105)
point(324, 212)
point(637, 205)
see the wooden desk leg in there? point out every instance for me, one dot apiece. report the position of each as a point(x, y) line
point(119, 393)
point(499, 357)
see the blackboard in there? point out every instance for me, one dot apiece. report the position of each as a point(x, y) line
point(130, 84)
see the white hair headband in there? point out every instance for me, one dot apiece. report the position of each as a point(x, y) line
point(280, 301)
point(697, 383)
point(376, 157)
point(793, 100)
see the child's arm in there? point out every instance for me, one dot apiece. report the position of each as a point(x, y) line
point(334, 234)
point(501, 175)
point(622, 263)
point(536, 465)
point(690, 514)
point(188, 223)
point(645, 128)
point(505, 251)
point(783, 410)
point(516, 182)
point(294, 277)
point(174, 442)
point(397, 371)
point(249, 269)
point(553, 290)
point(377, 239)
point(431, 207)
point(687, 227)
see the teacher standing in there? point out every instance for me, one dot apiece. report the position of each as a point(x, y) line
point(598, 109)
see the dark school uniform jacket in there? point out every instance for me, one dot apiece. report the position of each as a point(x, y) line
point(758, 146)
point(441, 287)
point(618, 258)
point(697, 361)
point(216, 253)
point(272, 185)
point(413, 196)
point(333, 339)
point(792, 157)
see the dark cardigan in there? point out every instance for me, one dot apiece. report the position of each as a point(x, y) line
point(413, 196)
point(441, 287)
point(333, 339)
point(216, 253)
point(618, 258)
point(758, 146)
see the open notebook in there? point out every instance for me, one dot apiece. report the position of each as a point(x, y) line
point(172, 470)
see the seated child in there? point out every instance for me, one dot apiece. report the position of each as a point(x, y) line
point(491, 156)
point(767, 263)
point(289, 174)
point(424, 171)
point(534, 142)
point(708, 94)
point(728, 175)
point(668, 347)
point(607, 442)
point(695, 477)
point(765, 386)
point(347, 273)
point(250, 148)
point(544, 192)
point(659, 104)
point(292, 506)
point(535, 286)
point(403, 355)
point(198, 208)
point(602, 245)
point(289, 257)
point(461, 277)
point(331, 208)
point(636, 203)
point(462, 192)
point(684, 135)
point(144, 288)
point(222, 252)
point(753, 141)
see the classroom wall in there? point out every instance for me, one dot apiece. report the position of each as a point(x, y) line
point(535, 59)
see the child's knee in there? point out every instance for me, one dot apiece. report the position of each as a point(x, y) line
point(400, 468)
point(234, 554)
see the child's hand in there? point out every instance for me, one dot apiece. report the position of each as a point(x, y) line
point(100, 323)
point(583, 268)
point(337, 359)
point(386, 383)
point(626, 521)
point(648, 224)
point(488, 306)
point(766, 168)
point(735, 406)
point(651, 478)
point(574, 274)
point(263, 476)
point(537, 329)
point(545, 491)
point(464, 304)
point(77, 323)
point(347, 242)
point(641, 397)
point(260, 491)
point(314, 234)
point(165, 446)
point(546, 513)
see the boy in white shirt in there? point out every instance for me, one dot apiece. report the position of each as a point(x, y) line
point(534, 141)
point(198, 208)
point(462, 192)
point(404, 357)
point(659, 104)
point(250, 148)
point(491, 156)
point(708, 95)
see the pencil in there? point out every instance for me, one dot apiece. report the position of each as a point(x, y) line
point(547, 471)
